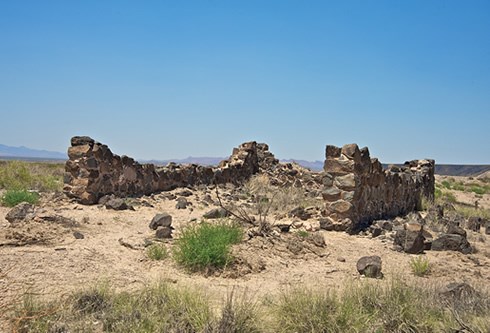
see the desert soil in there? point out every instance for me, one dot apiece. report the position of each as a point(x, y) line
point(65, 264)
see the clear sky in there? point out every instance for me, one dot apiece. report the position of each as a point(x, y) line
point(171, 79)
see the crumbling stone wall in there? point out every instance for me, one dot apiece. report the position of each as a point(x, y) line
point(358, 190)
point(93, 171)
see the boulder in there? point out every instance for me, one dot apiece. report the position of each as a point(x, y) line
point(160, 220)
point(117, 204)
point(410, 239)
point(370, 266)
point(164, 232)
point(20, 212)
point(452, 242)
point(182, 203)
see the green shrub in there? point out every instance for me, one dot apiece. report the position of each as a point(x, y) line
point(420, 266)
point(13, 197)
point(478, 190)
point(302, 233)
point(446, 184)
point(157, 252)
point(206, 246)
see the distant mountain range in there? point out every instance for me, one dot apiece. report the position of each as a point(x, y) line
point(27, 153)
point(24, 153)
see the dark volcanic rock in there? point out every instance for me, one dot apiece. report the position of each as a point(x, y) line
point(117, 204)
point(182, 203)
point(370, 266)
point(160, 220)
point(411, 239)
point(452, 242)
point(164, 232)
point(216, 213)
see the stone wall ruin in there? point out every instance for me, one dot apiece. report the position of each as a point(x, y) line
point(356, 189)
point(93, 171)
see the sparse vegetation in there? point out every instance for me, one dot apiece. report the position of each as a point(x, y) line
point(420, 266)
point(13, 197)
point(275, 198)
point(157, 252)
point(19, 175)
point(363, 306)
point(206, 246)
point(373, 307)
point(157, 308)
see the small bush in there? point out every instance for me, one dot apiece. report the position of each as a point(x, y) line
point(446, 184)
point(302, 233)
point(206, 246)
point(157, 252)
point(13, 197)
point(478, 190)
point(420, 266)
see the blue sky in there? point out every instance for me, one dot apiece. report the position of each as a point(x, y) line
point(171, 79)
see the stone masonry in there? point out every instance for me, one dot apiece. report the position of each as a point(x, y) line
point(93, 171)
point(357, 189)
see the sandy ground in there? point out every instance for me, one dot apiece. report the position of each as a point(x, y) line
point(67, 264)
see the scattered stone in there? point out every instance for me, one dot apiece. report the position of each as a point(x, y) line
point(300, 213)
point(160, 220)
point(474, 223)
point(184, 193)
point(452, 242)
point(117, 204)
point(283, 226)
point(20, 212)
point(341, 259)
point(164, 232)
point(216, 213)
point(317, 239)
point(370, 266)
point(182, 203)
point(169, 196)
point(455, 230)
point(375, 230)
point(103, 200)
point(410, 239)
point(78, 235)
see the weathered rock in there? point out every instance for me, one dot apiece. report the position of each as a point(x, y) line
point(78, 235)
point(182, 203)
point(475, 223)
point(452, 242)
point(375, 230)
point(300, 213)
point(163, 232)
point(411, 239)
point(160, 220)
point(117, 204)
point(317, 239)
point(216, 213)
point(185, 193)
point(455, 230)
point(20, 212)
point(370, 266)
